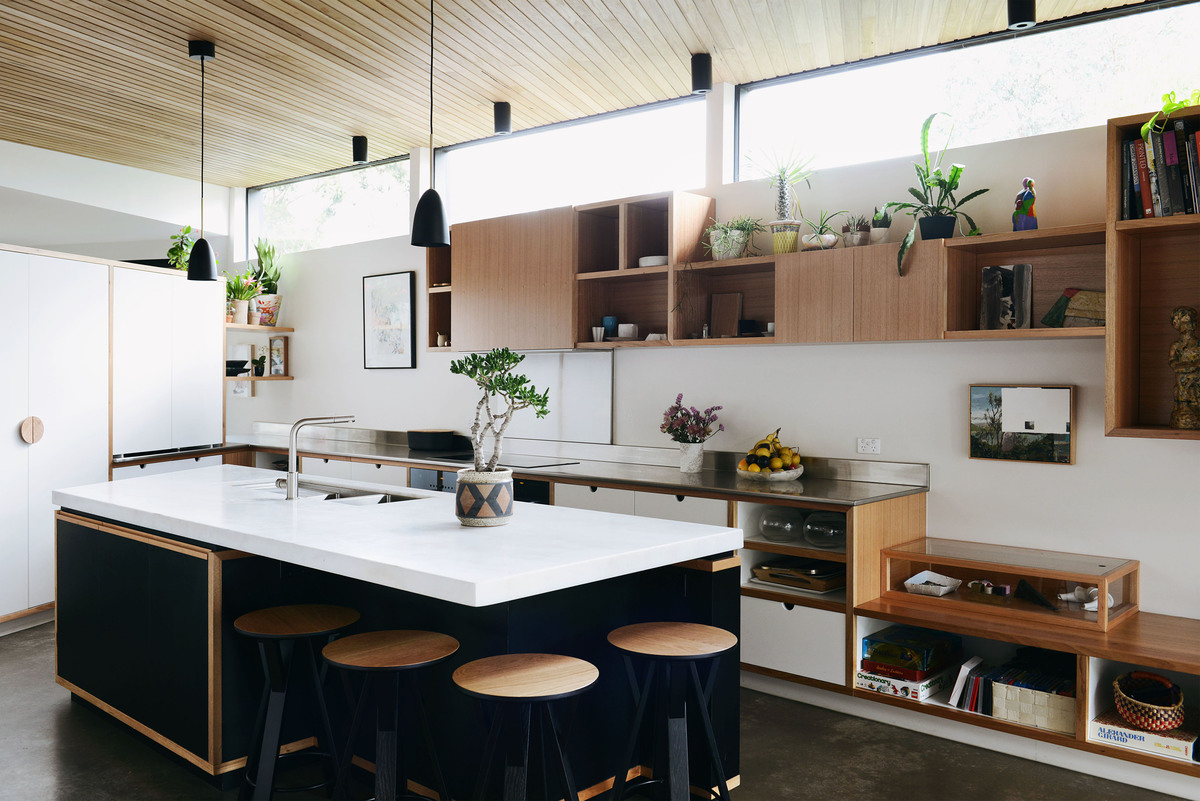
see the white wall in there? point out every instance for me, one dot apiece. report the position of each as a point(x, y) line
point(1123, 498)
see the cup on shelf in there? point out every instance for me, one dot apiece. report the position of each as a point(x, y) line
point(610, 325)
point(442, 339)
point(627, 330)
point(770, 328)
point(597, 333)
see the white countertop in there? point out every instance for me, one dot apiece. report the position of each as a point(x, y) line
point(415, 545)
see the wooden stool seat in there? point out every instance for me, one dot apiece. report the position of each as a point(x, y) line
point(672, 640)
point(529, 678)
point(522, 685)
point(292, 622)
point(389, 650)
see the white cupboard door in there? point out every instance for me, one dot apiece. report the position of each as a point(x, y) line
point(141, 353)
point(68, 390)
point(599, 499)
point(681, 507)
point(794, 639)
point(14, 453)
point(197, 366)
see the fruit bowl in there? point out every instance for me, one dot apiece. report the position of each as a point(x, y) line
point(777, 475)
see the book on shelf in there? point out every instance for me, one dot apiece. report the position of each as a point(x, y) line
point(964, 673)
point(1193, 158)
point(1143, 168)
point(1174, 175)
point(1112, 729)
point(1158, 174)
point(1126, 182)
point(1185, 169)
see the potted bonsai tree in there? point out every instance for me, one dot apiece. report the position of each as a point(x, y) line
point(484, 493)
point(936, 209)
point(266, 272)
point(824, 235)
point(731, 239)
point(881, 224)
point(856, 230)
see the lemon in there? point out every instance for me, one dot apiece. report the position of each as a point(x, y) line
point(754, 468)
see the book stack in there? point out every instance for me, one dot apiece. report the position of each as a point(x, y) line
point(1110, 728)
point(1026, 689)
point(1160, 175)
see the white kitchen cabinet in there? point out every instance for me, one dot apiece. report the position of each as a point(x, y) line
point(55, 334)
point(681, 507)
point(314, 466)
point(168, 369)
point(598, 499)
point(794, 639)
point(388, 474)
point(154, 468)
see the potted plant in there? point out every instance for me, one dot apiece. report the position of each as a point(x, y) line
point(266, 271)
point(936, 209)
point(484, 493)
point(690, 427)
point(240, 290)
point(824, 235)
point(181, 248)
point(784, 174)
point(731, 239)
point(881, 224)
point(856, 230)
point(260, 365)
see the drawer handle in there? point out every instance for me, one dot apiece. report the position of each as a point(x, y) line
point(32, 429)
point(788, 607)
point(593, 489)
point(679, 498)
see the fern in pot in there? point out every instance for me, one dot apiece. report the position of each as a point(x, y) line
point(484, 493)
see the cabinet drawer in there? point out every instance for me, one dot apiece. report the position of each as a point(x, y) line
point(598, 499)
point(681, 507)
point(802, 641)
point(388, 474)
point(329, 468)
point(154, 468)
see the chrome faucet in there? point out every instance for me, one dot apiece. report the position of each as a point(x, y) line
point(293, 474)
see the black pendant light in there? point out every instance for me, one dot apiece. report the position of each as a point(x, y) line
point(429, 228)
point(701, 73)
point(202, 263)
point(358, 147)
point(1022, 14)
point(501, 118)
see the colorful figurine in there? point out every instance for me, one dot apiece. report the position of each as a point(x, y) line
point(1025, 215)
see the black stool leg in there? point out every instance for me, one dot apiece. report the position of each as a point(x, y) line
point(278, 667)
point(516, 777)
point(489, 752)
point(387, 741)
point(560, 755)
point(702, 699)
point(419, 702)
point(342, 790)
point(640, 697)
point(677, 745)
point(329, 766)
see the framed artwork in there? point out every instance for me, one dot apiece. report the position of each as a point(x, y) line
point(1006, 297)
point(389, 321)
point(242, 389)
point(1022, 423)
point(277, 358)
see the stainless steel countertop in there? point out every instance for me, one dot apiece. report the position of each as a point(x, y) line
point(839, 482)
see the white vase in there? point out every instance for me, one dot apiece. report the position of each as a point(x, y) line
point(879, 235)
point(691, 457)
point(241, 311)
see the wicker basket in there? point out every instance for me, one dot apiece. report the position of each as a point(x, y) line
point(1141, 715)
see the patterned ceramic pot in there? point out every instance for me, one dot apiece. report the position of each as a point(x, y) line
point(484, 498)
point(268, 308)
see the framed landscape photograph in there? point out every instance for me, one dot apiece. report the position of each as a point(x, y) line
point(389, 321)
point(1022, 423)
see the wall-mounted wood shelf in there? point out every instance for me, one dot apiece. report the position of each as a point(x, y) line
point(261, 329)
point(259, 377)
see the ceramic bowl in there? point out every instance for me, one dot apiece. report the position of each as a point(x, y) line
point(778, 475)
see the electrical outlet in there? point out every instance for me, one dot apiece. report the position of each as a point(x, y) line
point(868, 445)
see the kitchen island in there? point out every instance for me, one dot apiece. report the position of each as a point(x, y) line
point(152, 572)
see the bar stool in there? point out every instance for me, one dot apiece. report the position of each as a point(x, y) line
point(673, 651)
point(386, 658)
point(525, 680)
point(278, 631)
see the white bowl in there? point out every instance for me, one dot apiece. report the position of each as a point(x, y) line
point(652, 261)
point(778, 475)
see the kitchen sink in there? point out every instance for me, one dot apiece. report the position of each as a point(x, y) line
point(322, 492)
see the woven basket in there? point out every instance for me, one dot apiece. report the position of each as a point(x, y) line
point(1141, 715)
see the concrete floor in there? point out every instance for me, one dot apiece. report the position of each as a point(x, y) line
point(52, 749)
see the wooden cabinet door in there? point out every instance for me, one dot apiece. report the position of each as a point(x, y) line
point(889, 306)
point(514, 281)
point(814, 296)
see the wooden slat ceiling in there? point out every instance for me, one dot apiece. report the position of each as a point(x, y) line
point(295, 79)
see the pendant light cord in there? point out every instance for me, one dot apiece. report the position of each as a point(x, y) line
point(432, 159)
point(201, 148)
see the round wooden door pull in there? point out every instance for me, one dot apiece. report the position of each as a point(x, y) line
point(32, 429)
